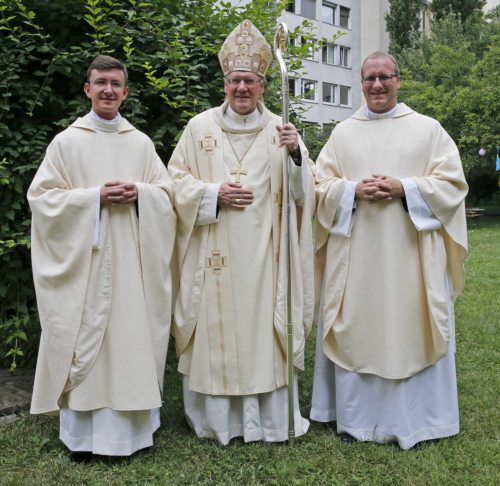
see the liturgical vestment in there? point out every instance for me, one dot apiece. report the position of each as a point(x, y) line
point(229, 319)
point(102, 276)
point(389, 279)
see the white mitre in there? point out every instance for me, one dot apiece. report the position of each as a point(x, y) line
point(245, 49)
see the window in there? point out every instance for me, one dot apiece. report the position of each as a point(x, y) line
point(290, 7)
point(345, 95)
point(291, 86)
point(328, 12)
point(308, 9)
point(329, 93)
point(308, 90)
point(344, 56)
point(311, 49)
point(345, 14)
point(329, 54)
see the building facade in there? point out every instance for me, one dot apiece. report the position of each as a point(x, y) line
point(329, 84)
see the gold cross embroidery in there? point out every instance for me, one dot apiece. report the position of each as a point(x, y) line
point(216, 261)
point(237, 172)
point(275, 139)
point(244, 37)
point(278, 198)
point(208, 143)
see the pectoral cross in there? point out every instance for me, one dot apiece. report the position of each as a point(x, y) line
point(237, 172)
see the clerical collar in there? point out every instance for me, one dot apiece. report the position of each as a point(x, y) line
point(378, 116)
point(103, 125)
point(247, 121)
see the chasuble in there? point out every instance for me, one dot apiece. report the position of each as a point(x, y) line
point(102, 273)
point(385, 307)
point(229, 320)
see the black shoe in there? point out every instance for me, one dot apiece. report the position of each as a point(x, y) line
point(346, 438)
point(81, 456)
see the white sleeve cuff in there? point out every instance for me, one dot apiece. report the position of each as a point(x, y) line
point(344, 216)
point(207, 211)
point(420, 213)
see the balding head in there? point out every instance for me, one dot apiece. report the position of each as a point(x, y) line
point(379, 55)
point(380, 82)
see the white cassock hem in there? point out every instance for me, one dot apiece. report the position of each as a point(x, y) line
point(371, 408)
point(108, 432)
point(405, 442)
point(254, 417)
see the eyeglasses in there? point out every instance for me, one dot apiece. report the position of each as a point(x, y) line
point(383, 78)
point(248, 82)
point(101, 83)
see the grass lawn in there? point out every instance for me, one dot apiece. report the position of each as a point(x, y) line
point(31, 454)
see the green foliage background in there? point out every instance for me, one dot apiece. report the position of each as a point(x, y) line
point(464, 8)
point(170, 48)
point(453, 77)
point(452, 74)
point(402, 21)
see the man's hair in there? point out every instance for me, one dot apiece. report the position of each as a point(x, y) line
point(377, 55)
point(102, 63)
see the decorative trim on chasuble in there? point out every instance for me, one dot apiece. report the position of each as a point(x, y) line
point(208, 143)
point(216, 261)
point(217, 287)
point(274, 140)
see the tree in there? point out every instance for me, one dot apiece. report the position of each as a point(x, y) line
point(453, 77)
point(463, 8)
point(402, 21)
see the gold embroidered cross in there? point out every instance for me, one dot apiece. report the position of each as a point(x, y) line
point(278, 198)
point(216, 261)
point(208, 143)
point(244, 37)
point(237, 172)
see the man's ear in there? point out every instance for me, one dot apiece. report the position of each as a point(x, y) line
point(86, 89)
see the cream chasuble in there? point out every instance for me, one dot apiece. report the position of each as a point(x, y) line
point(229, 320)
point(231, 291)
point(385, 309)
point(104, 308)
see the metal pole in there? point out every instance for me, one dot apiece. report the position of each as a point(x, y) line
point(280, 47)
